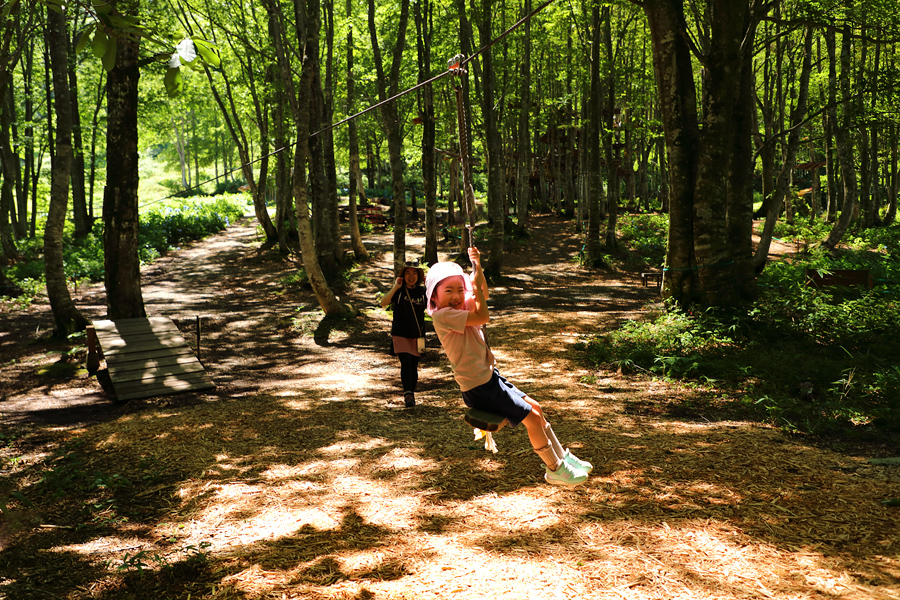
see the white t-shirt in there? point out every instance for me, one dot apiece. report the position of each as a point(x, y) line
point(469, 355)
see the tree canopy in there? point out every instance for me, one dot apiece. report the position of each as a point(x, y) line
point(713, 113)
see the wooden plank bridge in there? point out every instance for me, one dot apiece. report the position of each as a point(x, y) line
point(145, 357)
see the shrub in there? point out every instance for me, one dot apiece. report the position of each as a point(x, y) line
point(162, 228)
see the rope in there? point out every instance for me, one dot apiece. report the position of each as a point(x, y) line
point(455, 67)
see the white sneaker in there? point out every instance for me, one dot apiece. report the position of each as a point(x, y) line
point(565, 474)
point(576, 462)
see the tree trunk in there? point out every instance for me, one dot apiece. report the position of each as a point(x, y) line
point(593, 149)
point(124, 299)
point(324, 208)
point(231, 115)
point(28, 143)
point(66, 315)
point(678, 109)
point(894, 179)
point(493, 144)
point(333, 221)
point(389, 86)
point(9, 164)
point(612, 162)
point(355, 176)
point(570, 136)
point(307, 29)
point(95, 120)
point(842, 144)
point(79, 201)
point(525, 162)
point(423, 12)
point(783, 180)
point(708, 258)
point(324, 194)
point(453, 196)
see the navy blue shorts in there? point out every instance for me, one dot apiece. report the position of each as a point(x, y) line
point(500, 397)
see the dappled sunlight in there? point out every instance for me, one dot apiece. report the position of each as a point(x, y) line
point(380, 505)
point(242, 513)
point(301, 477)
point(516, 511)
point(350, 444)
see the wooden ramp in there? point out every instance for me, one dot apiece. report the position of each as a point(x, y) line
point(148, 357)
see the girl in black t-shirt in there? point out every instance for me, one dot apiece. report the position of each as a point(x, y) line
point(407, 301)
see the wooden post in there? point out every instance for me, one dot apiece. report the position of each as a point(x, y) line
point(93, 357)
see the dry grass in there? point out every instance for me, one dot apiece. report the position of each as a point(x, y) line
point(299, 477)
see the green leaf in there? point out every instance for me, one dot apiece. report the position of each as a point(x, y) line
point(98, 46)
point(7, 8)
point(102, 7)
point(21, 498)
point(125, 22)
point(208, 52)
point(173, 81)
point(83, 38)
point(105, 19)
point(109, 59)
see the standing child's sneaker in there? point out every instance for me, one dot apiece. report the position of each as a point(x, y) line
point(576, 462)
point(565, 474)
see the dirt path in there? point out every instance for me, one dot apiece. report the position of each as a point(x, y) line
point(306, 479)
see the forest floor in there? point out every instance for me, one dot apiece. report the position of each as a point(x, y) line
point(301, 475)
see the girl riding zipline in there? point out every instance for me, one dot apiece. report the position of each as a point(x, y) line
point(458, 308)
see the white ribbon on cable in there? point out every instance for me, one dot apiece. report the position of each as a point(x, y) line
point(489, 443)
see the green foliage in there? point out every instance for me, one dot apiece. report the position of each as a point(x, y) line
point(163, 228)
point(146, 560)
point(811, 363)
point(645, 236)
point(813, 360)
point(231, 186)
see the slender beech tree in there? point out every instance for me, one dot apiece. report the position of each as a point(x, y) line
point(389, 85)
point(842, 141)
point(525, 164)
point(423, 13)
point(783, 179)
point(593, 107)
point(66, 315)
point(613, 161)
point(356, 188)
point(493, 142)
point(80, 216)
point(306, 29)
point(329, 201)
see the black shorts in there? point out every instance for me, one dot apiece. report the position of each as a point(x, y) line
point(500, 397)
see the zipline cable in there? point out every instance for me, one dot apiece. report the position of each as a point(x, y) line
point(463, 62)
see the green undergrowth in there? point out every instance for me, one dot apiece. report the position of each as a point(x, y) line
point(812, 360)
point(163, 228)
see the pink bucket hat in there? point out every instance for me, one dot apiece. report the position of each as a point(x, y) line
point(439, 272)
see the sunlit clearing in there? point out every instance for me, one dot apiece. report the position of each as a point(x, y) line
point(378, 504)
point(517, 512)
point(238, 514)
point(345, 446)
